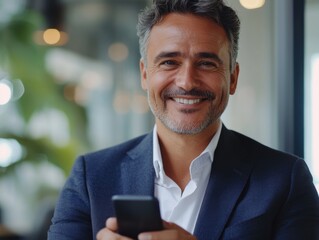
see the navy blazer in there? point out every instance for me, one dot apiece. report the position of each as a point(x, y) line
point(254, 192)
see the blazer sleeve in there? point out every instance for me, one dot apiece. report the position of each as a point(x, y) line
point(71, 220)
point(299, 217)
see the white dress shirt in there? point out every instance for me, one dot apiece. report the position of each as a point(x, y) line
point(182, 208)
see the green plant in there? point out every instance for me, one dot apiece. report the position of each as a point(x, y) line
point(21, 58)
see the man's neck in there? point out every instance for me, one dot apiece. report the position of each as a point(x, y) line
point(179, 150)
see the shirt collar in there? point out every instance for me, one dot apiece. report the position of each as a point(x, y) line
point(157, 156)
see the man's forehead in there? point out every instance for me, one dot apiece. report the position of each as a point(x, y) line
point(187, 34)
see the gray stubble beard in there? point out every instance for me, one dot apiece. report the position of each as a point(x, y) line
point(178, 127)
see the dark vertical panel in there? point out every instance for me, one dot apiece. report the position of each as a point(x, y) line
point(298, 73)
point(283, 37)
point(289, 62)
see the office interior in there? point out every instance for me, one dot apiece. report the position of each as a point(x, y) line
point(70, 84)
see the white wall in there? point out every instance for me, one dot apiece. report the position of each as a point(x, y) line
point(253, 109)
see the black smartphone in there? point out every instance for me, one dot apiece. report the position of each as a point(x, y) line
point(136, 214)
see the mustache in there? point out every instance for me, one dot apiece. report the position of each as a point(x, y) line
point(195, 92)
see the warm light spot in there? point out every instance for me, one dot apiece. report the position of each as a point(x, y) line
point(140, 104)
point(5, 93)
point(118, 52)
point(252, 4)
point(81, 96)
point(51, 36)
point(122, 102)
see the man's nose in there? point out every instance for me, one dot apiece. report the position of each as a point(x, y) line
point(187, 77)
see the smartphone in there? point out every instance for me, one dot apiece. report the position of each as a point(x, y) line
point(136, 214)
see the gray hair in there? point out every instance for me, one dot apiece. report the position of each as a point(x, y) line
point(216, 10)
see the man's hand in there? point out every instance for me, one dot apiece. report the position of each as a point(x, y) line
point(109, 232)
point(171, 232)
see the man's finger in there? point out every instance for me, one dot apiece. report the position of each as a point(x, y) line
point(111, 223)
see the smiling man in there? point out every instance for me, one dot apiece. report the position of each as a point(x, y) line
point(211, 182)
point(187, 74)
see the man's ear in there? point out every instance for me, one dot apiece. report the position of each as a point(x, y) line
point(234, 79)
point(143, 73)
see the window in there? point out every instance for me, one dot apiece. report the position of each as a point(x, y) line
point(312, 118)
point(312, 89)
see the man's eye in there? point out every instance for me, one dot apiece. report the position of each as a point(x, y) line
point(169, 63)
point(207, 64)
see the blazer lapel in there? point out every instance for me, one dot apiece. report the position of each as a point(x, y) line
point(137, 170)
point(228, 178)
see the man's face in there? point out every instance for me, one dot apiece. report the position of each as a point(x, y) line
point(187, 74)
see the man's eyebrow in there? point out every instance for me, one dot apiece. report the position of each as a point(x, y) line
point(209, 55)
point(166, 55)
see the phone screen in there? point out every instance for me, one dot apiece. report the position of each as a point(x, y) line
point(136, 214)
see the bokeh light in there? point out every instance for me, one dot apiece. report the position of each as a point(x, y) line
point(10, 152)
point(252, 4)
point(118, 52)
point(5, 93)
point(51, 36)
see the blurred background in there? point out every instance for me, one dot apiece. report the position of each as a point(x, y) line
point(70, 83)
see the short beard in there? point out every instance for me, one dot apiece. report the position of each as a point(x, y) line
point(180, 127)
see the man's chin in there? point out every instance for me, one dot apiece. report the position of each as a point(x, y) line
point(184, 129)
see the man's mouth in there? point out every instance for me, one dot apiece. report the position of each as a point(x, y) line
point(187, 101)
point(194, 96)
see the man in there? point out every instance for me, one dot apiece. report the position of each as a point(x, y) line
point(212, 183)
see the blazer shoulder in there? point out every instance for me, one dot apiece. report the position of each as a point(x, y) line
point(124, 146)
point(117, 153)
point(255, 148)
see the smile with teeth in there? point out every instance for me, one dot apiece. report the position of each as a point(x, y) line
point(187, 101)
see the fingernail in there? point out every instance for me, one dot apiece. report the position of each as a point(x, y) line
point(145, 236)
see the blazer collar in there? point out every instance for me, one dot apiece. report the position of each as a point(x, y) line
point(229, 175)
point(137, 171)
